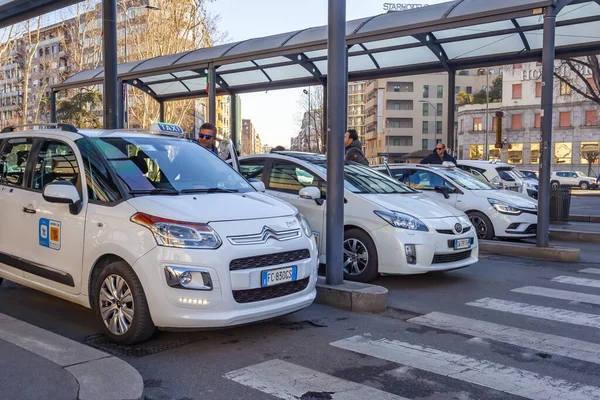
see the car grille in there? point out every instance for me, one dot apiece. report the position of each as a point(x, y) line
point(451, 232)
point(531, 229)
point(268, 260)
point(273, 292)
point(452, 257)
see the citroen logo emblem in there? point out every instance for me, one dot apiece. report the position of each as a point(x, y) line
point(458, 228)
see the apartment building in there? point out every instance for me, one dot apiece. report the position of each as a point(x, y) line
point(576, 130)
point(309, 138)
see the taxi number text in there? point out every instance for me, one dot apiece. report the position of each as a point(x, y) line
point(277, 276)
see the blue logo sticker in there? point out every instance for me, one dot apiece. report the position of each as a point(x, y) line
point(49, 233)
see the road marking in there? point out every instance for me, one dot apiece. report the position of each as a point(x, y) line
point(542, 342)
point(571, 280)
point(549, 313)
point(481, 372)
point(590, 271)
point(291, 382)
point(559, 294)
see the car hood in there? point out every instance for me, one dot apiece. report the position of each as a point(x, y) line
point(507, 197)
point(213, 207)
point(418, 205)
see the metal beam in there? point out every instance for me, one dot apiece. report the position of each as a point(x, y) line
point(450, 112)
point(111, 89)
point(337, 84)
point(121, 106)
point(212, 94)
point(521, 34)
point(144, 88)
point(161, 112)
point(430, 41)
point(303, 61)
point(233, 133)
point(324, 116)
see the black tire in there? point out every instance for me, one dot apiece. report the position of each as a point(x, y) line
point(1, 279)
point(141, 327)
point(584, 185)
point(357, 245)
point(482, 224)
point(555, 184)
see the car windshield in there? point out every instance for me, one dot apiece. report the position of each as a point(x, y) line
point(464, 180)
point(579, 173)
point(361, 179)
point(148, 165)
point(506, 174)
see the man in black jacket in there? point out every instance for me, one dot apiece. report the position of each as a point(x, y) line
point(354, 148)
point(438, 156)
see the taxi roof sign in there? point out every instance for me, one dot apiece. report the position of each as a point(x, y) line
point(162, 128)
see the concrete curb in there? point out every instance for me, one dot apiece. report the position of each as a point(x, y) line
point(585, 193)
point(352, 296)
point(564, 254)
point(584, 218)
point(567, 235)
point(100, 376)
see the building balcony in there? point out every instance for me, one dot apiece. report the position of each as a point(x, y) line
point(401, 131)
point(400, 95)
point(371, 136)
point(400, 113)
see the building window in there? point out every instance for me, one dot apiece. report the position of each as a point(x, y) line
point(538, 89)
point(494, 122)
point(425, 127)
point(439, 128)
point(493, 153)
point(476, 152)
point(424, 144)
point(462, 125)
point(469, 90)
point(563, 153)
point(425, 109)
point(565, 119)
point(517, 91)
point(591, 118)
point(439, 109)
point(478, 124)
point(593, 85)
point(456, 90)
point(440, 92)
point(516, 121)
point(515, 153)
point(396, 88)
point(565, 90)
point(534, 154)
point(425, 91)
point(397, 106)
point(589, 152)
point(538, 120)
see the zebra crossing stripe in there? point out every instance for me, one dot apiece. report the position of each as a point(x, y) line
point(292, 382)
point(541, 342)
point(549, 313)
point(481, 372)
point(590, 271)
point(571, 280)
point(559, 294)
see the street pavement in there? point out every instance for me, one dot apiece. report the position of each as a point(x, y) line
point(506, 328)
point(586, 205)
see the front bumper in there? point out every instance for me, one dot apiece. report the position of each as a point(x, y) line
point(514, 226)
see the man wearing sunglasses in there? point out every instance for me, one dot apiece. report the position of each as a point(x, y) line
point(438, 156)
point(206, 137)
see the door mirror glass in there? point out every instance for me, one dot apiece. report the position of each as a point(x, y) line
point(257, 185)
point(310, 193)
point(63, 192)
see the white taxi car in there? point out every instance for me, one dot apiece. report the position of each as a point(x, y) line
point(149, 230)
point(389, 228)
point(494, 212)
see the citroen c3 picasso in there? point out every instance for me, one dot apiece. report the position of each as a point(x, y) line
point(149, 230)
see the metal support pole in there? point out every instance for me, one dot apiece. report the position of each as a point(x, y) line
point(451, 117)
point(233, 122)
point(212, 95)
point(121, 105)
point(546, 145)
point(337, 85)
point(52, 106)
point(324, 125)
point(111, 86)
point(487, 114)
point(161, 111)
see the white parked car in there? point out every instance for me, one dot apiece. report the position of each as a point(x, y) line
point(493, 212)
point(149, 230)
point(389, 228)
point(572, 179)
point(501, 176)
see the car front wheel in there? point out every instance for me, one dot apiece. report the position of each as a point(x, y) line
point(121, 306)
point(360, 256)
point(584, 186)
point(482, 224)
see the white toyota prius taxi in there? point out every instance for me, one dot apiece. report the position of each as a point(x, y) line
point(149, 230)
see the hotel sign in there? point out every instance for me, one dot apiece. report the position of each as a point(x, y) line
point(562, 70)
point(401, 7)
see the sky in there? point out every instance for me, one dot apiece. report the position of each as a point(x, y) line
point(272, 113)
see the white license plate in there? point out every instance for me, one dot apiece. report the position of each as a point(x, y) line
point(460, 244)
point(277, 276)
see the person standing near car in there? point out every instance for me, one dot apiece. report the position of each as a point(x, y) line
point(206, 137)
point(354, 148)
point(438, 156)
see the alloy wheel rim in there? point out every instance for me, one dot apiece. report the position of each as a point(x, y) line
point(356, 257)
point(480, 226)
point(116, 305)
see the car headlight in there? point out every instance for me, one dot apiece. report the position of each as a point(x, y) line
point(530, 185)
point(504, 208)
point(304, 224)
point(186, 235)
point(402, 221)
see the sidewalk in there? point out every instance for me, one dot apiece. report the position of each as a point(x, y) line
point(586, 232)
point(38, 364)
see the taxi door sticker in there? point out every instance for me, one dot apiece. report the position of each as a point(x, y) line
point(316, 234)
point(50, 233)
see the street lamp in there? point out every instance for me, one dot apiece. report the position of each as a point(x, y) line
point(307, 92)
point(149, 6)
point(434, 120)
point(482, 71)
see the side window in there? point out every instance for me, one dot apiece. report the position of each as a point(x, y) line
point(425, 180)
point(290, 178)
point(56, 161)
point(252, 169)
point(400, 174)
point(573, 175)
point(13, 160)
point(100, 185)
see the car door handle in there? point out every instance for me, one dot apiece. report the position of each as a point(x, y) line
point(28, 210)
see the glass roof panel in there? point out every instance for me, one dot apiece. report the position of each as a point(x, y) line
point(406, 18)
point(185, 74)
point(204, 54)
point(360, 63)
point(316, 53)
point(154, 78)
point(168, 88)
point(528, 21)
point(473, 30)
point(157, 62)
point(240, 65)
point(245, 78)
point(484, 46)
point(535, 39)
point(195, 84)
point(84, 75)
point(417, 55)
point(272, 60)
point(258, 44)
point(322, 66)
point(287, 72)
point(320, 33)
point(467, 7)
point(582, 33)
point(355, 48)
point(578, 11)
point(390, 42)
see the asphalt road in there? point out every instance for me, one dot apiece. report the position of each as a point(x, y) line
point(450, 351)
point(585, 205)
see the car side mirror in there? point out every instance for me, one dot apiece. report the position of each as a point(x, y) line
point(259, 186)
point(310, 193)
point(443, 190)
point(63, 192)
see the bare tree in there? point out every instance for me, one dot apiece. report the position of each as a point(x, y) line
point(591, 157)
point(27, 46)
point(7, 45)
point(573, 75)
point(310, 116)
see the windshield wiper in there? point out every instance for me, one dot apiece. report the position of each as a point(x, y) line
point(154, 191)
point(210, 190)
